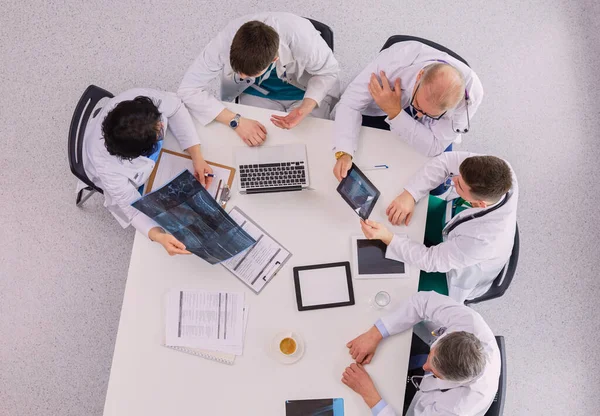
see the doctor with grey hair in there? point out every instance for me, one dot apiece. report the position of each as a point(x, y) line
point(462, 368)
point(423, 95)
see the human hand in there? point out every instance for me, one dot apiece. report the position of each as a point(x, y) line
point(291, 120)
point(362, 348)
point(386, 98)
point(201, 169)
point(401, 209)
point(342, 166)
point(375, 231)
point(356, 377)
point(251, 132)
point(170, 243)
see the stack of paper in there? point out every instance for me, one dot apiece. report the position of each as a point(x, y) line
point(208, 324)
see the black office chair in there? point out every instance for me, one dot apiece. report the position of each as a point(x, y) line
point(91, 96)
point(497, 408)
point(403, 38)
point(324, 30)
point(504, 278)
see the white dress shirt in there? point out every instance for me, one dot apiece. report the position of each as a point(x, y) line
point(120, 179)
point(474, 252)
point(404, 60)
point(469, 398)
point(305, 61)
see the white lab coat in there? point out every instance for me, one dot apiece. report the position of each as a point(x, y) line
point(305, 61)
point(120, 179)
point(474, 252)
point(470, 398)
point(404, 60)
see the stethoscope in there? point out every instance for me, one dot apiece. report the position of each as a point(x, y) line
point(465, 130)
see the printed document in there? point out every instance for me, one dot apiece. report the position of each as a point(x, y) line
point(257, 265)
point(205, 319)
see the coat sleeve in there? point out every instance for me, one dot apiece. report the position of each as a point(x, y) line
point(194, 88)
point(382, 409)
point(122, 194)
point(180, 121)
point(356, 98)
point(322, 65)
point(457, 253)
point(430, 306)
point(433, 173)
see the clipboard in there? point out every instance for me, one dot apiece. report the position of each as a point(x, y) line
point(223, 179)
point(260, 263)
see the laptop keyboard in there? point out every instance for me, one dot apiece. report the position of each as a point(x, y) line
point(272, 175)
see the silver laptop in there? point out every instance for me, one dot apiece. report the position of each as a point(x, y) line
point(272, 168)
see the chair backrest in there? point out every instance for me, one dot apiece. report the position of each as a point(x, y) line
point(505, 277)
point(91, 96)
point(497, 407)
point(325, 31)
point(404, 38)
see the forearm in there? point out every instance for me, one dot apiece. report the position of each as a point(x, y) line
point(195, 153)
point(225, 116)
point(372, 399)
point(420, 136)
point(155, 232)
point(307, 106)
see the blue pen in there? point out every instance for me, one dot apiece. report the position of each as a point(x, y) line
point(375, 167)
point(209, 175)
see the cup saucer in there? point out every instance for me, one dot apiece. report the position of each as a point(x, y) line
point(287, 359)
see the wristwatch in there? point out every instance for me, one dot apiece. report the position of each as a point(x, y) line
point(235, 121)
point(340, 154)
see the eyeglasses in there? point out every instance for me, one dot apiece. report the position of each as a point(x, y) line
point(412, 104)
point(239, 80)
point(448, 182)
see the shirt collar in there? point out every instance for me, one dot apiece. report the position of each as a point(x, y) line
point(285, 54)
point(431, 383)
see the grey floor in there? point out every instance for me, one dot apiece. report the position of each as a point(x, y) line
point(63, 269)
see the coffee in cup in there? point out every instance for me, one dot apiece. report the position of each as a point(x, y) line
point(288, 346)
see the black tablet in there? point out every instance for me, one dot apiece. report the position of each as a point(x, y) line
point(323, 286)
point(358, 191)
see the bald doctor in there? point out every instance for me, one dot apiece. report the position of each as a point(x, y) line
point(424, 96)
